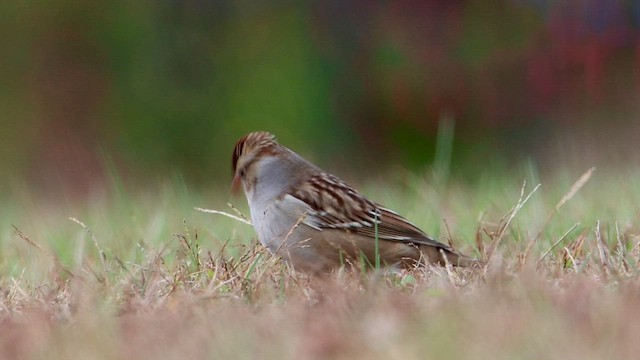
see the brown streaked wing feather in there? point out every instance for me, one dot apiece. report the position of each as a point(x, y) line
point(394, 227)
point(337, 205)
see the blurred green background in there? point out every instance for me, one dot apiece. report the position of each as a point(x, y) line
point(150, 89)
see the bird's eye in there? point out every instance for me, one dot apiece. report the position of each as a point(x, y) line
point(243, 173)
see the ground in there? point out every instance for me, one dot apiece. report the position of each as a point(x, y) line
point(140, 273)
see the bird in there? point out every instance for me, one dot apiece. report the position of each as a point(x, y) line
point(318, 223)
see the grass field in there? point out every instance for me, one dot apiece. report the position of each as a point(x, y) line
point(141, 274)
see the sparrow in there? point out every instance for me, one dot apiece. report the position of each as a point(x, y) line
point(317, 222)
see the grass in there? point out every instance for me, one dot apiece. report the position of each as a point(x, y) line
point(142, 274)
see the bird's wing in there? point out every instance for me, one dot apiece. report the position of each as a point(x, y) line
point(332, 204)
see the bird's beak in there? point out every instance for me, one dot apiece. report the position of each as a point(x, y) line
point(236, 185)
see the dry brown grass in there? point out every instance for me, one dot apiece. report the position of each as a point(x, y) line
point(544, 294)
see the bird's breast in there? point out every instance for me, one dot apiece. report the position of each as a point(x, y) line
point(275, 221)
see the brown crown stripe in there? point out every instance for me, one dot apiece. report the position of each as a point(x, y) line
point(256, 141)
